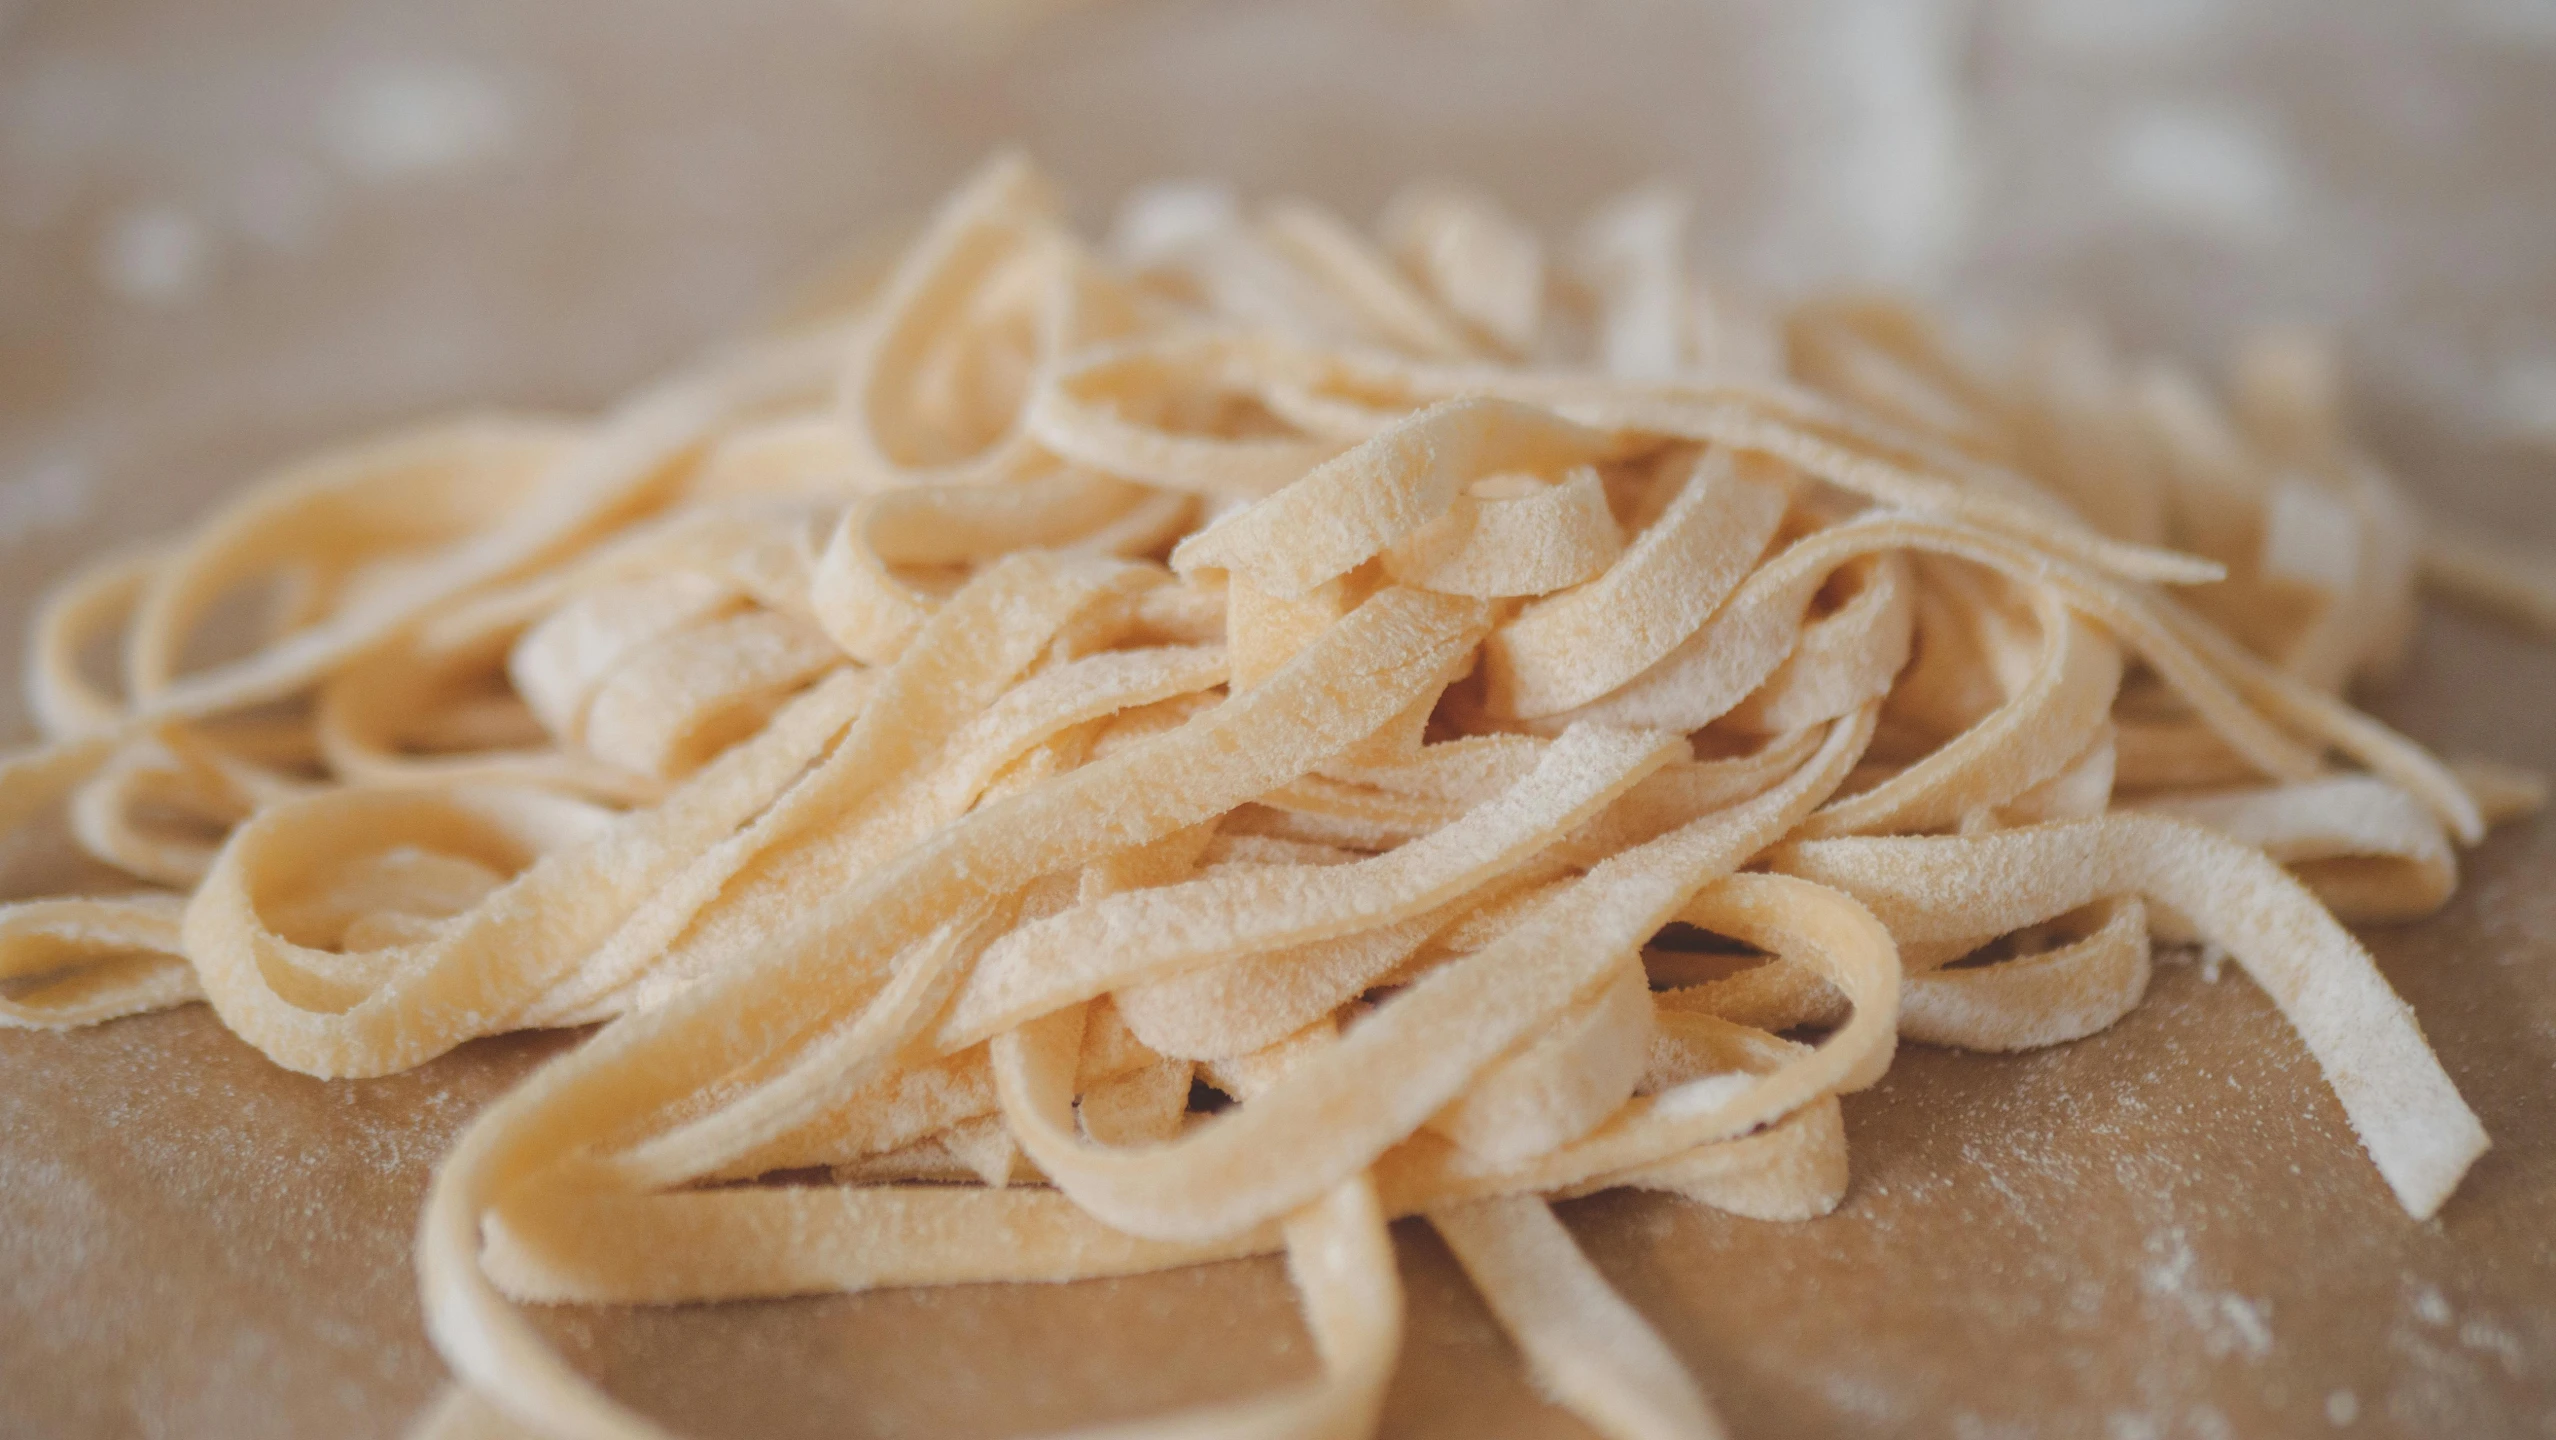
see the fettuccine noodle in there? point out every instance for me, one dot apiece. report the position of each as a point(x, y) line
point(1128, 757)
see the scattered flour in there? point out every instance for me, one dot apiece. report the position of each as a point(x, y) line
point(2211, 959)
point(2448, 1357)
point(2245, 1320)
point(1967, 1426)
point(1864, 1397)
point(2342, 1407)
point(2494, 1340)
point(2230, 1324)
point(2430, 1306)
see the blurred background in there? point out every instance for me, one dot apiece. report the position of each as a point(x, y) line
point(231, 230)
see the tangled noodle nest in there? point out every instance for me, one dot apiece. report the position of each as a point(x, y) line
point(1201, 751)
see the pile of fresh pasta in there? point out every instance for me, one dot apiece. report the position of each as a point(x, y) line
point(1088, 759)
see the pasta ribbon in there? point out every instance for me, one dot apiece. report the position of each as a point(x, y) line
point(1098, 760)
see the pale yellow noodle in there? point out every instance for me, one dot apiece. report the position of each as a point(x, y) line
point(1351, 676)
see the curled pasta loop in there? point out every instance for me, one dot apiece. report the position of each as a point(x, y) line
point(150, 809)
point(991, 293)
point(2418, 1131)
point(85, 609)
point(1105, 760)
point(1567, 650)
point(72, 962)
point(350, 514)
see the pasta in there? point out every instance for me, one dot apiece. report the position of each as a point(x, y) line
point(1129, 757)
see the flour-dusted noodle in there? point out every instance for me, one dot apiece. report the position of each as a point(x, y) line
point(1588, 1350)
point(2407, 1113)
point(1571, 648)
point(80, 612)
point(79, 961)
point(1347, 510)
point(1504, 723)
point(1482, 265)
